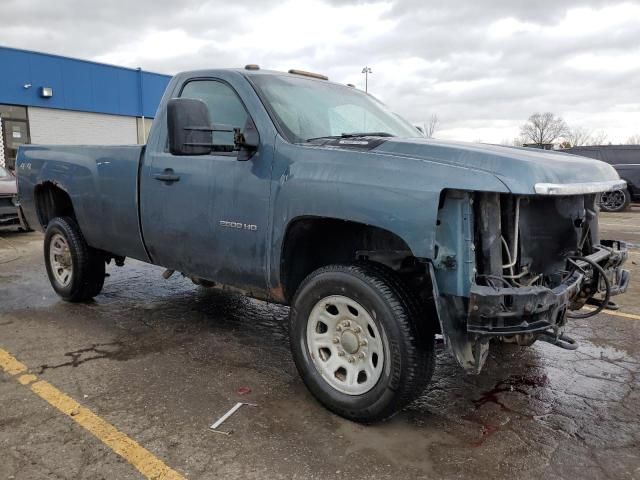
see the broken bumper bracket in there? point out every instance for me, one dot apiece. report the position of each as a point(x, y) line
point(518, 310)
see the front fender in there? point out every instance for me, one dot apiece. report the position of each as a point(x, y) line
point(400, 195)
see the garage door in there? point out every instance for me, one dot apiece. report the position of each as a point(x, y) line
point(50, 126)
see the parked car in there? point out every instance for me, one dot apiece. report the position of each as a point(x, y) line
point(626, 160)
point(308, 193)
point(8, 198)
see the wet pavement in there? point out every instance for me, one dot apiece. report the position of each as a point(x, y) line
point(161, 360)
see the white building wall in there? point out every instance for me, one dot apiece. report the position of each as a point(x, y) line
point(65, 127)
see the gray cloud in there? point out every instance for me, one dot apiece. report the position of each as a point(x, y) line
point(428, 56)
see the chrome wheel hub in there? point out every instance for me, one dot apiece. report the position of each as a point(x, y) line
point(345, 345)
point(60, 260)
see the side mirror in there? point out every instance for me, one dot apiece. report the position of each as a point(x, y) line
point(188, 127)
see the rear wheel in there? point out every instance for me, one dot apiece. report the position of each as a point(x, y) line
point(76, 271)
point(355, 341)
point(615, 201)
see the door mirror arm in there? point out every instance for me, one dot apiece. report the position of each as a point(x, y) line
point(246, 141)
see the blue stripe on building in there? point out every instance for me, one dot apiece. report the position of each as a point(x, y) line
point(78, 84)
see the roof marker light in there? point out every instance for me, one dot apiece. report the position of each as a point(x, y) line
point(308, 74)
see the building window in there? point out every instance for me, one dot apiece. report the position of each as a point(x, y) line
point(14, 131)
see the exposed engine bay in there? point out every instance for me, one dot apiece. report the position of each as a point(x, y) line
point(523, 266)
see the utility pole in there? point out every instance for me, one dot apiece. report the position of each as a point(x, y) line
point(366, 71)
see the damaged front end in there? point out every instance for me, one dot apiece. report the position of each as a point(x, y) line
point(513, 268)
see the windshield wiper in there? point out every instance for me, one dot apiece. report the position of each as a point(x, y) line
point(352, 135)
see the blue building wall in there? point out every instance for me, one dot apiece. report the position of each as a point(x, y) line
point(78, 84)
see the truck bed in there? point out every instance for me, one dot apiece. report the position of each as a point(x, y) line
point(102, 182)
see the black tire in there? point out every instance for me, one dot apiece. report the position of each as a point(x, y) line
point(409, 357)
point(615, 201)
point(87, 264)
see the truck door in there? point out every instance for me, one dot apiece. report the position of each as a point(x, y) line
point(207, 215)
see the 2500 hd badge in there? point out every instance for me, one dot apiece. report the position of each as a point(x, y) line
point(238, 225)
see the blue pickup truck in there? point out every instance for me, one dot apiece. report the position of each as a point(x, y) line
point(300, 191)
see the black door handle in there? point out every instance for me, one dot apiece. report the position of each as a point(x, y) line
point(168, 176)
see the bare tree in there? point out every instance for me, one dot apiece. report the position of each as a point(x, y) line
point(634, 139)
point(431, 126)
point(543, 128)
point(578, 136)
point(598, 138)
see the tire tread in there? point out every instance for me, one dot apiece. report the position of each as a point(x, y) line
point(89, 265)
point(419, 349)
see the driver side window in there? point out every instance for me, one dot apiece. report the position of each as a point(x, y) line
point(225, 108)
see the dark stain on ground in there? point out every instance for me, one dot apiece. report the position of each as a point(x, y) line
point(512, 384)
point(117, 350)
point(77, 356)
point(515, 383)
point(486, 431)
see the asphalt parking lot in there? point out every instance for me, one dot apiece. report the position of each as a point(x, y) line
point(156, 362)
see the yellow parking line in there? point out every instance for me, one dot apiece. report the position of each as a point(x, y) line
point(10, 364)
point(616, 313)
point(143, 460)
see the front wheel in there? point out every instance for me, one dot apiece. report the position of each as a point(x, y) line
point(356, 343)
point(76, 271)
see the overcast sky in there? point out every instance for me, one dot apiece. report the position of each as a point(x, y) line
point(481, 66)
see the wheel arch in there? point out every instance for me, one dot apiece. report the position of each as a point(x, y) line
point(51, 201)
point(632, 188)
point(311, 242)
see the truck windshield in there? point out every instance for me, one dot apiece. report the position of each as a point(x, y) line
point(308, 110)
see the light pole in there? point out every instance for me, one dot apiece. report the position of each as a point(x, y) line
point(366, 71)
